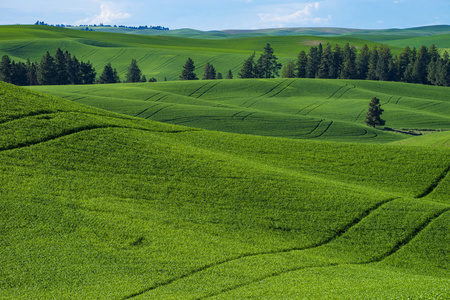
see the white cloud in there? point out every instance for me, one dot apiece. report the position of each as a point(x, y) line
point(294, 15)
point(109, 14)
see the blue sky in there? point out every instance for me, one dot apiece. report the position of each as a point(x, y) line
point(231, 14)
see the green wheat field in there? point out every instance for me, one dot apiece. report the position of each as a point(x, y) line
point(221, 189)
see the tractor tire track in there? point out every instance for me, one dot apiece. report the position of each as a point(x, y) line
point(169, 61)
point(359, 115)
point(315, 128)
point(326, 129)
point(190, 95)
point(350, 88)
point(140, 113)
point(208, 89)
point(283, 89)
point(364, 214)
point(154, 95)
point(159, 110)
point(337, 91)
point(434, 184)
point(398, 99)
point(391, 252)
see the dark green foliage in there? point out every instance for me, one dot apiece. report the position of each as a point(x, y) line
point(6, 69)
point(61, 68)
point(188, 71)
point(326, 63)
point(362, 62)
point(209, 72)
point(219, 75)
point(229, 74)
point(373, 117)
point(88, 73)
point(153, 79)
point(373, 61)
point(47, 74)
point(109, 75)
point(288, 70)
point(247, 70)
point(302, 61)
point(313, 62)
point(267, 65)
point(134, 73)
point(349, 70)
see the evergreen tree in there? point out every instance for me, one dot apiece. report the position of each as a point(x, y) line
point(19, 73)
point(362, 62)
point(373, 117)
point(349, 58)
point(288, 70)
point(143, 79)
point(229, 75)
point(373, 61)
point(335, 69)
point(404, 59)
point(219, 76)
point(188, 71)
point(108, 75)
point(75, 70)
point(6, 69)
point(62, 76)
point(209, 72)
point(134, 73)
point(420, 68)
point(325, 63)
point(312, 63)
point(301, 64)
point(384, 61)
point(31, 73)
point(267, 65)
point(47, 72)
point(247, 70)
point(87, 72)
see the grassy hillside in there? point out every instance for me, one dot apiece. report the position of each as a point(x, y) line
point(101, 205)
point(157, 56)
point(332, 110)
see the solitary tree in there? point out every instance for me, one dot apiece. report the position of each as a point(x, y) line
point(188, 71)
point(373, 117)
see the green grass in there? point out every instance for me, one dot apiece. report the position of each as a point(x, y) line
point(157, 56)
point(100, 205)
point(332, 110)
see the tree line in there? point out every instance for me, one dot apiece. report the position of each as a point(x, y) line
point(423, 66)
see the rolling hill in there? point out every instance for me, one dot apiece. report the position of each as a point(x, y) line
point(97, 205)
point(157, 56)
point(332, 110)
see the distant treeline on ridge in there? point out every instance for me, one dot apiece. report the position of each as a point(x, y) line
point(422, 66)
point(102, 25)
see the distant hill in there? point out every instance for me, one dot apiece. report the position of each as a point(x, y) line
point(243, 33)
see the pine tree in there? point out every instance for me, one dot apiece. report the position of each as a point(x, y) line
point(349, 66)
point(219, 76)
point(325, 63)
point(108, 75)
point(209, 72)
point(247, 70)
point(134, 73)
point(373, 61)
point(229, 74)
point(31, 73)
point(420, 72)
point(19, 73)
point(47, 72)
point(288, 70)
point(373, 117)
point(301, 64)
point(6, 69)
point(384, 60)
point(313, 62)
point(62, 76)
point(87, 72)
point(362, 62)
point(335, 70)
point(404, 59)
point(188, 71)
point(267, 65)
